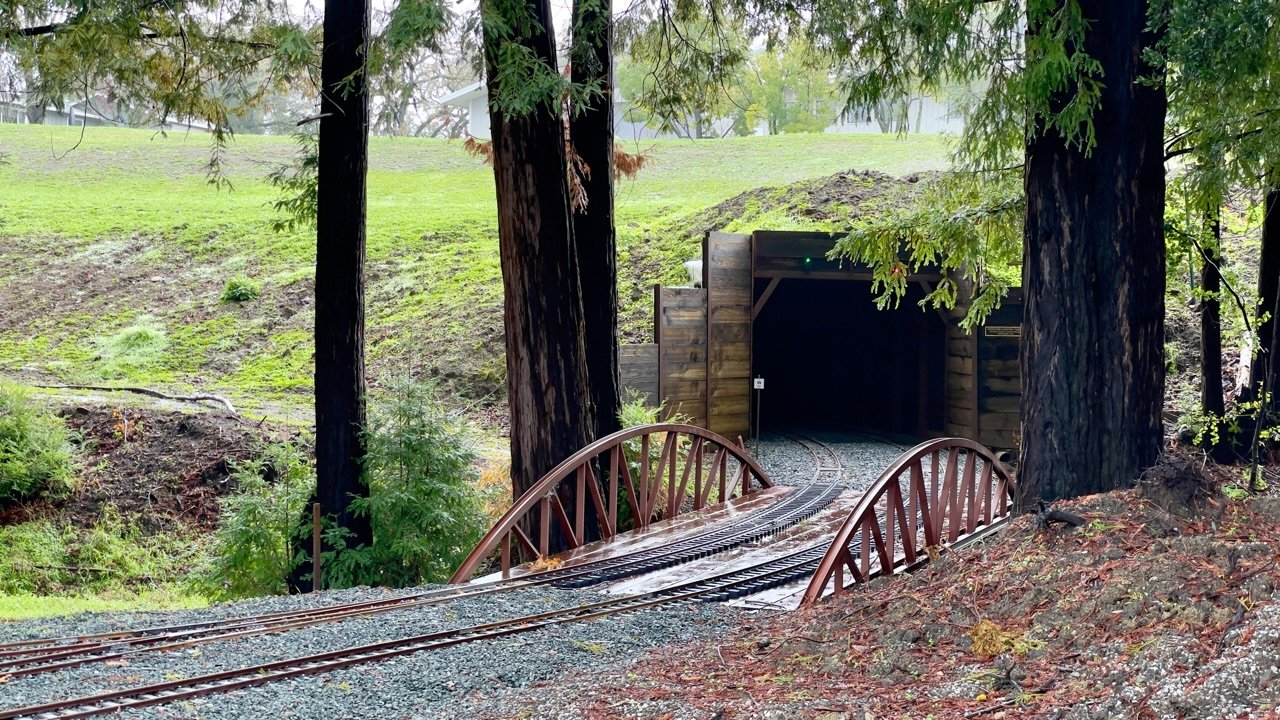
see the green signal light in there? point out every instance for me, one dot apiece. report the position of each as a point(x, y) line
point(808, 261)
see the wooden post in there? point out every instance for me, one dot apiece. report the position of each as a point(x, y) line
point(315, 547)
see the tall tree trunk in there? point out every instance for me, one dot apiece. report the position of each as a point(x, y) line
point(340, 250)
point(1212, 397)
point(1263, 371)
point(1212, 401)
point(591, 135)
point(1094, 274)
point(542, 300)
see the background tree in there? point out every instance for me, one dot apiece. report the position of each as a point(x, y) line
point(591, 130)
point(787, 89)
point(1223, 63)
point(547, 375)
point(684, 65)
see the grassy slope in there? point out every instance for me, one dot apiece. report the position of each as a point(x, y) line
point(125, 226)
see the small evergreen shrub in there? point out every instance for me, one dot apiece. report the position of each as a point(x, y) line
point(36, 456)
point(240, 289)
point(426, 510)
point(252, 552)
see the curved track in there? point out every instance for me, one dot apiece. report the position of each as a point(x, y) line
point(41, 656)
point(723, 586)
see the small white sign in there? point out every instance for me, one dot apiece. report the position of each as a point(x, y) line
point(757, 384)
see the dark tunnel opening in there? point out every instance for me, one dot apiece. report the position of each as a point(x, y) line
point(832, 360)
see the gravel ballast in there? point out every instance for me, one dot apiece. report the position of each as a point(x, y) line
point(469, 680)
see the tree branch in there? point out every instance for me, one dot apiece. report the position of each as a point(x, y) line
point(196, 398)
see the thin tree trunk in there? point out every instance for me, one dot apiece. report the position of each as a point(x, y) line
point(1094, 278)
point(542, 310)
point(1263, 365)
point(591, 134)
point(340, 252)
point(1212, 401)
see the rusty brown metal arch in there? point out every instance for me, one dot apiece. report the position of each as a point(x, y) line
point(692, 469)
point(933, 496)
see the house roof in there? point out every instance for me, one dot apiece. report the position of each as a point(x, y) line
point(463, 96)
point(476, 90)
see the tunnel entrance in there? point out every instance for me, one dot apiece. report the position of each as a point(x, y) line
point(832, 360)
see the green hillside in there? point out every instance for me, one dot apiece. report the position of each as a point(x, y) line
point(116, 253)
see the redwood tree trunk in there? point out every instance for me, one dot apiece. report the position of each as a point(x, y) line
point(542, 308)
point(340, 251)
point(1263, 371)
point(1094, 278)
point(591, 135)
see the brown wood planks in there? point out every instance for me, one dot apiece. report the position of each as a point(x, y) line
point(681, 330)
point(729, 298)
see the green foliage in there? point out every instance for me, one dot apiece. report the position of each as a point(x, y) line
point(240, 289)
point(1222, 65)
point(25, 606)
point(961, 224)
point(36, 456)
point(635, 411)
point(787, 89)
point(252, 553)
point(298, 186)
point(683, 63)
point(426, 511)
point(137, 346)
point(524, 77)
point(47, 558)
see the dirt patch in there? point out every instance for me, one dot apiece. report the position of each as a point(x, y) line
point(1180, 485)
point(836, 198)
point(1111, 619)
point(162, 469)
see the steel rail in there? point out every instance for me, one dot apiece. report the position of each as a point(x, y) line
point(750, 579)
point(762, 523)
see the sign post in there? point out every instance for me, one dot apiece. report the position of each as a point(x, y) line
point(757, 384)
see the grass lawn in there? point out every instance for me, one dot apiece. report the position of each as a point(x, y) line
point(117, 251)
point(26, 607)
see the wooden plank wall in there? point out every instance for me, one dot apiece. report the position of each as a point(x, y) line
point(681, 334)
point(729, 289)
point(961, 382)
point(999, 375)
point(638, 368)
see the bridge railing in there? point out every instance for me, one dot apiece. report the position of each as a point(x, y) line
point(933, 496)
point(620, 482)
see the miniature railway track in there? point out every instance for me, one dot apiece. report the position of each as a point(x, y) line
point(719, 587)
point(35, 657)
point(826, 463)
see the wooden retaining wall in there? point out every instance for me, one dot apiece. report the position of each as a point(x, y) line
point(638, 370)
point(729, 283)
point(681, 335)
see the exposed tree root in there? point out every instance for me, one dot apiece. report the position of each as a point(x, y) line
point(196, 398)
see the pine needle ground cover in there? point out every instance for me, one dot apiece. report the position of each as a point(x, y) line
point(121, 238)
point(1142, 612)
